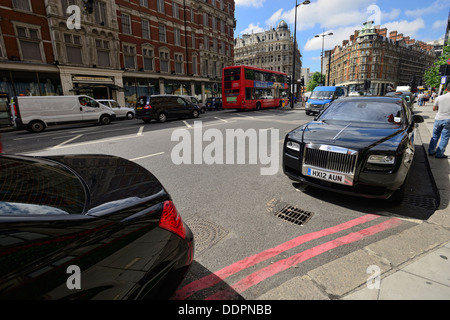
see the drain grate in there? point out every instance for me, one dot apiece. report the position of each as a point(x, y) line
point(426, 202)
point(294, 215)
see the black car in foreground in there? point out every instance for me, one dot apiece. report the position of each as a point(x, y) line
point(360, 146)
point(88, 227)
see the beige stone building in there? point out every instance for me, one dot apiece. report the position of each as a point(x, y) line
point(271, 50)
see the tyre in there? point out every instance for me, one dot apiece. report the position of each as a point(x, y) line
point(397, 197)
point(130, 116)
point(162, 117)
point(36, 126)
point(104, 119)
point(195, 114)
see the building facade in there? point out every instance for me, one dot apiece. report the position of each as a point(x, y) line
point(118, 50)
point(272, 50)
point(387, 61)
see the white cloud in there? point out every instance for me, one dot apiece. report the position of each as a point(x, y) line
point(408, 28)
point(436, 6)
point(252, 29)
point(439, 24)
point(250, 3)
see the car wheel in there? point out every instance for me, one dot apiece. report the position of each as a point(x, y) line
point(397, 197)
point(130, 115)
point(162, 117)
point(195, 114)
point(105, 119)
point(36, 126)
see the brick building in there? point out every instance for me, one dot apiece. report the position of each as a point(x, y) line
point(122, 49)
point(387, 60)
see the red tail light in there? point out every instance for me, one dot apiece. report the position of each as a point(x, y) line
point(147, 106)
point(171, 220)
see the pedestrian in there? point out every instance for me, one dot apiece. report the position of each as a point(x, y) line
point(433, 96)
point(421, 97)
point(441, 129)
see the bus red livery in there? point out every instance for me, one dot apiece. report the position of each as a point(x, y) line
point(250, 88)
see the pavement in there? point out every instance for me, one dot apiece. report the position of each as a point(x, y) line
point(411, 265)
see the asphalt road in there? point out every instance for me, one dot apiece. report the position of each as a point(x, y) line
point(243, 249)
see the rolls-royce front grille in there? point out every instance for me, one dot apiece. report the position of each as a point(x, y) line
point(331, 158)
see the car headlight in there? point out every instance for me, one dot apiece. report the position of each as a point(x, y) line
point(381, 159)
point(293, 146)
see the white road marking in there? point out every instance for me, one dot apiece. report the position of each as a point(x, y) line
point(67, 141)
point(187, 124)
point(148, 156)
point(141, 129)
point(221, 119)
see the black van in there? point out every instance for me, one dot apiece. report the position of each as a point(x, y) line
point(163, 107)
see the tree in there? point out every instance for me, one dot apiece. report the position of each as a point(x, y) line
point(317, 79)
point(431, 76)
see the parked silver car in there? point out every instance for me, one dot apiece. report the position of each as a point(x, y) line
point(121, 112)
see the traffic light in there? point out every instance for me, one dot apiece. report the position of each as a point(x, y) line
point(89, 6)
point(444, 70)
point(288, 81)
point(302, 81)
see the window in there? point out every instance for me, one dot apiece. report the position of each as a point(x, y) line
point(177, 36)
point(178, 63)
point(100, 13)
point(148, 56)
point(162, 33)
point(30, 42)
point(126, 24)
point(103, 49)
point(205, 20)
point(22, 5)
point(73, 49)
point(164, 61)
point(206, 42)
point(143, 3)
point(205, 67)
point(145, 29)
point(160, 6)
point(193, 39)
point(129, 54)
point(175, 10)
point(194, 65)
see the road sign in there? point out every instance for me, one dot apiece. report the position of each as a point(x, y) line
point(448, 61)
point(443, 80)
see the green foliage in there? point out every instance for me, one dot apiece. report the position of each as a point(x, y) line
point(431, 76)
point(317, 79)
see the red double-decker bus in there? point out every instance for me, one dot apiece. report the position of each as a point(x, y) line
point(250, 88)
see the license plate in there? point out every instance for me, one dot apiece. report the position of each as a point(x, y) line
point(328, 176)
point(139, 108)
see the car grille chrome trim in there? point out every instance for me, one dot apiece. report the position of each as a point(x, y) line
point(331, 159)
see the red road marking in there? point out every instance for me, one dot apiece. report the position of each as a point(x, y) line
point(214, 278)
point(264, 273)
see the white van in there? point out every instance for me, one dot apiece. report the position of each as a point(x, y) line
point(35, 113)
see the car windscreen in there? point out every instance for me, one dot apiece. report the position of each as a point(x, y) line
point(364, 111)
point(39, 187)
point(322, 95)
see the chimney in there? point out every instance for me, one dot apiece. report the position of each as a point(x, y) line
point(383, 32)
point(393, 35)
point(344, 43)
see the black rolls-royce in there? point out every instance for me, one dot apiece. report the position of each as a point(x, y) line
point(360, 146)
point(88, 227)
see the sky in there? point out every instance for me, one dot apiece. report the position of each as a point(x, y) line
point(424, 20)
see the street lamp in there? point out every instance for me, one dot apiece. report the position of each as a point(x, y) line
point(323, 35)
point(295, 42)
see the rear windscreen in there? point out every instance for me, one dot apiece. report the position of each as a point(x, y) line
point(32, 187)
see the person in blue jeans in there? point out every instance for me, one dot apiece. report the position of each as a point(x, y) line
point(441, 129)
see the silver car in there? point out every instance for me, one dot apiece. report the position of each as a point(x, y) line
point(121, 112)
